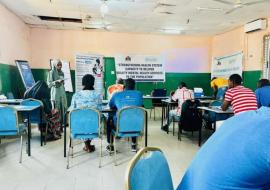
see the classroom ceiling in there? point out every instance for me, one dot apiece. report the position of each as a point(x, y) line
point(180, 17)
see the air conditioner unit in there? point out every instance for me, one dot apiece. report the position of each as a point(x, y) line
point(255, 25)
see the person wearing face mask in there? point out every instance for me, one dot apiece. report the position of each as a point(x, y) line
point(55, 81)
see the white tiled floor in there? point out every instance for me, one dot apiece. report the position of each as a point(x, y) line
point(46, 168)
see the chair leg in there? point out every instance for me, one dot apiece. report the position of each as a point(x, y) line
point(41, 135)
point(100, 156)
point(179, 132)
point(114, 144)
point(154, 113)
point(21, 146)
point(200, 137)
point(71, 148)
point(111, 138)
point(173, 129)
point(68, 154)
point(46, 133)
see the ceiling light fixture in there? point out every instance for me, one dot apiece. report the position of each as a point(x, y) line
point(171, 31)
point(209, 9)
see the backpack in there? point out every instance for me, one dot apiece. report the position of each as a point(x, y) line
point(191, 119)
point(40, 91)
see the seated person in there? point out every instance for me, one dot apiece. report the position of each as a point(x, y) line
point(240, 98)
point(219, 86)
point(263, 93)
point(115, 87)
point(181, 94)
point(88, 97)
point(237, 156)
point(128, 97)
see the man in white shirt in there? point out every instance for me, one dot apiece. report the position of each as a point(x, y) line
point(181, 94)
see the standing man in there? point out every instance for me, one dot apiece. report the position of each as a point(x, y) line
point(181, 94)
point(219, 86)
point(128, 97)
point(263, 93)
point(240, 98)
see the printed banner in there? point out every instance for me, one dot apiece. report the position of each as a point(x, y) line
point(142, 68)
point(26, 73)
point(89, 64)
point(66, 71)
point(227, 65)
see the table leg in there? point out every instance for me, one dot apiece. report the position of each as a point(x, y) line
point(29, 134)
point(146, 129)
point(65, 134)
point(168, 111)
point(162, 113)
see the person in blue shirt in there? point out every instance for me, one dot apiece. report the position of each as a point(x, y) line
point(236, 156)
point(128, 97)
point(87, 97)
point(263, 93)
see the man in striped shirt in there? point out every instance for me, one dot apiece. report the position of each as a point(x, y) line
point(240, 98)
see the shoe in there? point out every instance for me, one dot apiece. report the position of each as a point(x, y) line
point(110, 149)
point(165, 128)
point(134, 148)
point(89, 149)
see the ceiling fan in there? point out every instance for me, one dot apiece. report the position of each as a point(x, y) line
point(237, 4)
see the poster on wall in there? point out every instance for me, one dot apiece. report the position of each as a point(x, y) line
point(66, 71)
point(227, 65)
point(142, 68)
point(89, 64)
point(26, 73)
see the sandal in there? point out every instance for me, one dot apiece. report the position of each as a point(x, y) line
point(92, 148)
point(86, 149)
point(89, 149)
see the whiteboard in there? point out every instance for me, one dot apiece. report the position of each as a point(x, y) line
point(67, 75)
point(26, 73)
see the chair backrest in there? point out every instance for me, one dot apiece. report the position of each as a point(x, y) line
point(8, 121)
point(10, 95)
point(191, 119)
point(131, 119)
point(148, 170)
point(35, 115)
point(84, 121)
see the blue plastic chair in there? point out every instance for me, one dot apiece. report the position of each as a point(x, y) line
point(130, 123)
point(84, 124)
point(9, 125)
point(36, 116)
point(148, 170)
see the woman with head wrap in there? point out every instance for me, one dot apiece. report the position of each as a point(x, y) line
point(87, 97)
point(55, 82)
